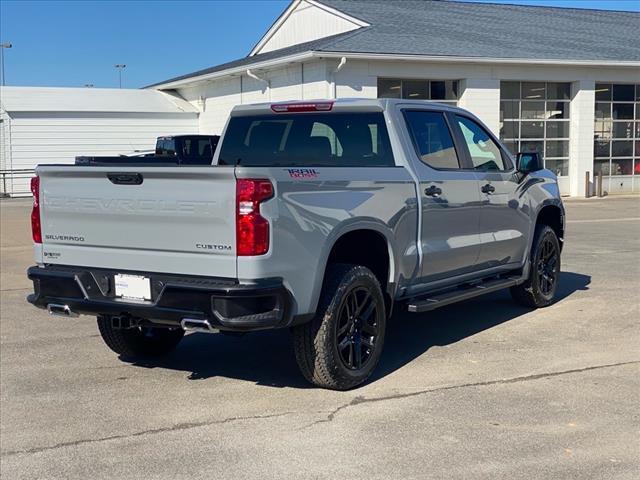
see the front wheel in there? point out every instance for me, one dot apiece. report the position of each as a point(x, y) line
point(341, 346)
point(540, 288)
point(138, 341)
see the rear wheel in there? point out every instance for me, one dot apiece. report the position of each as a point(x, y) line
point(540, 288)
point(138, 341)
point(341, 346)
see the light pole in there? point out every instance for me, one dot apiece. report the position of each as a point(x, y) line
point(2, 47)
point(120, 67)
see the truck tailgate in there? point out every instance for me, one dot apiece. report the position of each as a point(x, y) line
point(149, 219)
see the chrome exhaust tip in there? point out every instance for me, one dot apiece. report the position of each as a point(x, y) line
point(196, 325)
point(61, 310)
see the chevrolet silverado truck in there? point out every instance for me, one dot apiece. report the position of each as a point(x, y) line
point(321, 217)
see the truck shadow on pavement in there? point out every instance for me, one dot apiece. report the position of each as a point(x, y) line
point(266, 358)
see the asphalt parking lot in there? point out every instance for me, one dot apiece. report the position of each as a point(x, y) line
point(482, 390)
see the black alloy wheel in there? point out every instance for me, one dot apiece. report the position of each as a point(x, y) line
point(547, 266)
point(357, 328)
point(341, 346)
point(540, 287)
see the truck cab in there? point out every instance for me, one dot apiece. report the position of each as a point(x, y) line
point(190, 149)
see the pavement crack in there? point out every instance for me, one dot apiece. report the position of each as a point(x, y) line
point(503, 381)
point(330, 416)
point(153, 431)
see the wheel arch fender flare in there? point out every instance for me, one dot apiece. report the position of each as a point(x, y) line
point(352, 225)
point(546, 203)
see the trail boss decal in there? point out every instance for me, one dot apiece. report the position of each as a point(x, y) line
point(302, 173)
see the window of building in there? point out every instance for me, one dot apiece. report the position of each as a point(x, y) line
point(616, 145)
point(436, 90)
point(534, 117)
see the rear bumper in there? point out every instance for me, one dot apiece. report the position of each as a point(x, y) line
point(225, 303)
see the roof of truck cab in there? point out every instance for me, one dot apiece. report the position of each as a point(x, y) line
point(343, 104)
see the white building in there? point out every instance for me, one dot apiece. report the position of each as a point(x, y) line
point(557, 80)
point(54, 125)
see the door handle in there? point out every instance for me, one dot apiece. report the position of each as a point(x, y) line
point(488, 188)
point(432, 191)
point(125, 178)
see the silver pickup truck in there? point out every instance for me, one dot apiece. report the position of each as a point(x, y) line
point(321, 217)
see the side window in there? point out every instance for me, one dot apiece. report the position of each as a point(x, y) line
point(485, 153)
point(187, 151)
point(205, 149)
point(169, 147)
point(432, 138)
point(165, 148)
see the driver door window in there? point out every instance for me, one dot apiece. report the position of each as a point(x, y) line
point(485, 154)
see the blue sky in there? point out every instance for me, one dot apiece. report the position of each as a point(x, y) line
point(73, 43)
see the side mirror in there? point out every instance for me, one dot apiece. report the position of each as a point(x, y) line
point(529, 162)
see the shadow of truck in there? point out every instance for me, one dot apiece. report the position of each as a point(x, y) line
point(266, 358)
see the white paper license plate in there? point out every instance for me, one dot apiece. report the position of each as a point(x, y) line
point(133, 286)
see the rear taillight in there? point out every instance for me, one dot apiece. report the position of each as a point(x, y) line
point(36, 229)
point(252, 229)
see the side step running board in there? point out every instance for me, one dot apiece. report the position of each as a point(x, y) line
point(425, 304)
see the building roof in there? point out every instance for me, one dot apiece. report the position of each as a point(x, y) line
point(450, 29)
point(461, 29)
point(47, 99)
point(313, 46)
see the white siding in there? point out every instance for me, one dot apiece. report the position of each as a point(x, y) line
point(355, 79)
point(481, 96)
point(5, 130)
point(292, 82)
point(581, 134)
point(304, 23)
point(315, 80)
point(218, 98)
point(54, 125)
point(5, 152)
point(39, 138)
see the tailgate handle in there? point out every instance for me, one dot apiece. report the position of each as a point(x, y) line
point(125, 178)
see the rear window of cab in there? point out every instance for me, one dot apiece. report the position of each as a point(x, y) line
point(307, 140)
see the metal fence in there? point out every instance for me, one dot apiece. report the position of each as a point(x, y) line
point(16, 182)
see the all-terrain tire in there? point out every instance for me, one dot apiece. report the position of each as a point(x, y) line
point(535, 293)
point(323, 359)
point(138, 342)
